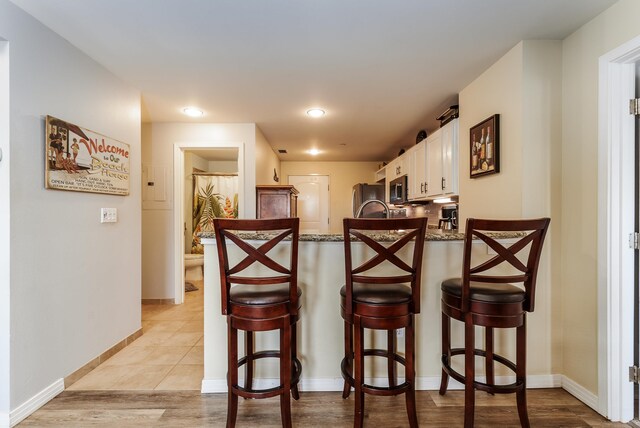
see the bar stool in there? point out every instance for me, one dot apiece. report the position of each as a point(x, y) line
point(386, 302)
point(260, 303)
point(491, 300)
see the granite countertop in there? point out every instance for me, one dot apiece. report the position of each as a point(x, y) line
point(437, 235)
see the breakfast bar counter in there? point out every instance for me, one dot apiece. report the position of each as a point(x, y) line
point(321, 273)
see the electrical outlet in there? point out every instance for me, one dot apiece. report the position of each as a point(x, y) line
point(108, 215)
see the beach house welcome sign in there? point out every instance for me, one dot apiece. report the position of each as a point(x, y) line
point(84, 161)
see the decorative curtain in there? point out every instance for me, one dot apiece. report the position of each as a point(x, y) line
point(214, 196)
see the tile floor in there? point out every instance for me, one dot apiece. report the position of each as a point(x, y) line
point(168, 356)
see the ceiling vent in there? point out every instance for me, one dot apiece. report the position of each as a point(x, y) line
point(282, 151)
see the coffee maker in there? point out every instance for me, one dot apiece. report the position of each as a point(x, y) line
point(449, 217)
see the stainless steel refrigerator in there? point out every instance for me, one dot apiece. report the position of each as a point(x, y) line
point(363, 192)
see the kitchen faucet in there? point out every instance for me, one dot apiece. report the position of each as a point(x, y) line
point(387, 211)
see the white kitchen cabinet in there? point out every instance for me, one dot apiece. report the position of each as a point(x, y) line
point(396, 168)
point(450, 142)
point(434, 164)
point(442, 161)
point(417, 157)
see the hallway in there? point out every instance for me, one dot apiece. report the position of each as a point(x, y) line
point(168, 356)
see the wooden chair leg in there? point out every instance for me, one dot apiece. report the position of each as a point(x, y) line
point(248, 367)
point(410, 370)
point(446, 351)
point(232, 375)
point(348, 355)
point(285, 372)
point(358, 362)
point(294, 355)
point(488, 346)
point(521, 373)
point(469, 371)
point(391, 350)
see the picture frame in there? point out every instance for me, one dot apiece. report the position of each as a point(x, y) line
point(484, 147)
point(81, 160)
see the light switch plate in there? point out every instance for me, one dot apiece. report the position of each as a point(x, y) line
point(108, 215)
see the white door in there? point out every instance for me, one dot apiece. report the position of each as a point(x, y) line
point(313, 202)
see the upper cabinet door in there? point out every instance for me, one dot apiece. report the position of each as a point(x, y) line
point(449, 133)
point(418, 171)
point(434, 168)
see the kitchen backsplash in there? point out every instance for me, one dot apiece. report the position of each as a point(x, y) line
point(430, 210)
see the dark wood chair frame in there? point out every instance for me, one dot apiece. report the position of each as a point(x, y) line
point(264, 317)
point(492, 315)
point(358, 315)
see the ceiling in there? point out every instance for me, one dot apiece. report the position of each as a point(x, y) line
point(381, 69)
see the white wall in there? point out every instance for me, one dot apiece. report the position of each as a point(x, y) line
point(230, 167)
point(158, 244)
point(497, 90)
point(5, 233)
point(581, 52)
point(75, 283)
point(266, 160)
point(524, 87)
point(541, 174)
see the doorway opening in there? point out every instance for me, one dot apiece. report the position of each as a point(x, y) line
point(209, 160)
point(313, 202)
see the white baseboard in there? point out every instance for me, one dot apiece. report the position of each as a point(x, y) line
point(580, 392)
point(431, 383)
point(34, 403)
point(423, 383)
point(213, 386)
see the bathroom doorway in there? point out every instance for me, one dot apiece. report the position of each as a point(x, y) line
point(205, 160)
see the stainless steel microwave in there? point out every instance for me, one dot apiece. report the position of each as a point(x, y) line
point(398, 191)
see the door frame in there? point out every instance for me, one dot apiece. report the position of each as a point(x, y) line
point(178, 202)
point(616, 181)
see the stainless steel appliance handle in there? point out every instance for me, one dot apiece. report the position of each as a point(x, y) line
point(353, 201)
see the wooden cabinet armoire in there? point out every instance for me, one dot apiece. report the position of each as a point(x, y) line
point(275, 201)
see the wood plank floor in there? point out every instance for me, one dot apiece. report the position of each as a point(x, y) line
point(547, 408)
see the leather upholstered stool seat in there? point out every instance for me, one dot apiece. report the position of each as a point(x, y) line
point(379, 294)
point(269, 294)
point(486, 296)
point(255, 303)
point(485, 292)
point(381, 299)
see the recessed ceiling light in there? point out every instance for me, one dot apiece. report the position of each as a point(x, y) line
point(192, 111)
point(315, 112)
point(314, 152)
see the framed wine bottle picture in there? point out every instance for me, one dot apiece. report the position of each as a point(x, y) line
point(484, 143)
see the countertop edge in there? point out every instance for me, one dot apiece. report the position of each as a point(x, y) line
point(381, 237)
